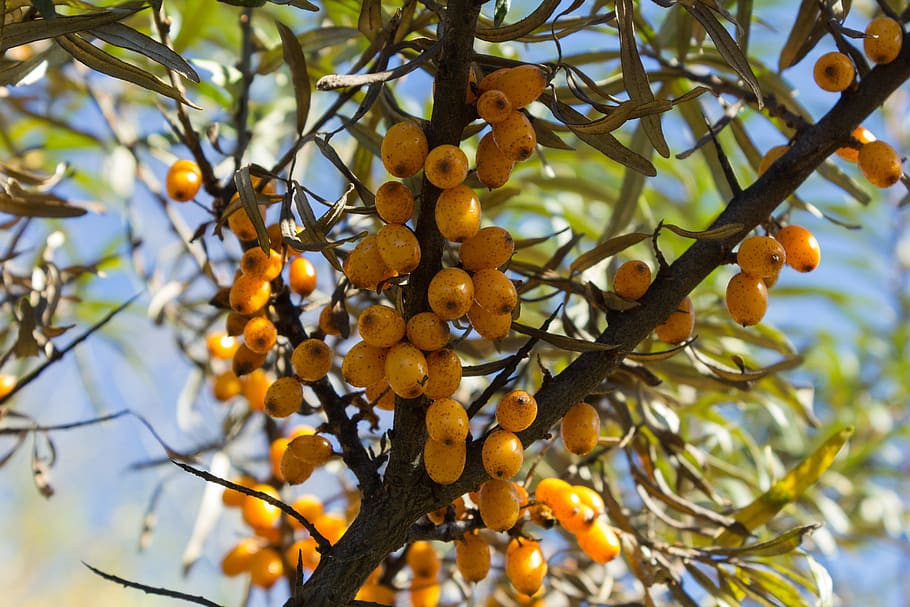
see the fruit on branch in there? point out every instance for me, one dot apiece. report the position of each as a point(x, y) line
point(260, 334)
point(444, 463)
point(879, 163)
point(632, 279)
point(599, 542)
point(428, 331)
point(491, 247)
point(365, 267)
point(364, 364)
point(502, 454)
point(444, 373)
point(394, 202)
point(447, 421)
point(516, 410)
point(313, 449)
point(746, 299)
point(499, 504)
point(398, 247)
point(493, 167)
point(451, 293)
point(381, 326)
point(380, 395)
point(761, 256)
point(240, 223)
point(458, 213)
point(284, 397)
point(219, 344)
point(249, 294)
point(803, 252)
point(522, 84)
point(883, 41)
point(678, 326)
point(446, 166)
point(489, 325)
point(515, 136)
point(860, 134)
point(265, 266)
point(423, 559)
point(257, 512)
point(302, 276)
point(238, 558)
point(311, 359)
point(525, 565)
point(328, 324)
point(493, 291)
point(472, 557)
point(233, 498)
point(406, 370)
point(404, 149)
point(225, 386)
point(292, 469)
point(493, 106)
point(834, 72)
point(266, 568)
point(580, 428)
point(424, 591)
point(183, 180)
point(246, 361)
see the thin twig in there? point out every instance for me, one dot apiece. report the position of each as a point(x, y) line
point(190, 598)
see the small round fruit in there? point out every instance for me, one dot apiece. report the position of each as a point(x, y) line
point(834, 72)
point(443, 373)
point(302, 276)
point(515, 136)
point(311, 359)
point(599, 542)
point(266, 568)
point(428, 331)
point(458, 213)
point(883, 41)
point(860, 134)
point(237, 560)
point(591, 498)
point(309, 507)
point(365, 267)
point(380, 395)
point(678, 326)
point(313, 449)
point(284, 397)
point(493, 167)
point(761, 256)
point(240, 223)
point(225, 386)
point(803, 252)
point(444, 463)
point(446, 166)
point(245, 361)
point(364, 364)
point(406, 370)
point(257, 512)
point(550, 489)
point(491, 80)
point(398, 247)
point(233, 498)
point(221, 346)
point(489, 325)
point(260, 334)
point(502, 454)
point(880, 164)
point(746, 299)
point(516, 410)
point(404, 149)
point(451, 293)
point(491, 247)
point(255, 386)
point(330, 320)
point(292, 469)
point(262, 265)
point(771, 157)
point(447, 421)
point(423, 559)
point(249, 294)
point(394, 202)
point(498, 504)
point(494, 292)
point(332, 526)
point(381, 326)
point(424, 591)
point(472, 557)
point(183, 180)
point(632, 279)
point(234, 323)
point(493, 106)
point(580, 428)
point(522, 84)
point(525, 565)
point(306, 551)
point(378, 594)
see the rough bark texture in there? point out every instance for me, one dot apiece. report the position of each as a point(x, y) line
point(407, 493)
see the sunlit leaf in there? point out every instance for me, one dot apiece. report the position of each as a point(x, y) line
point(294, 57)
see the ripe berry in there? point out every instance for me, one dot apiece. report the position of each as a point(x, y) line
point(264, 266)
point(883, 41)
point(183, 180)
point(233, 498)
point(381, 326)
point(522, 84)
point(309, 507)
point(803, 252)
point(451, 293)
point(491, 80)
point(237, 560)
point(863, 136)
point(516, 411)
point(834, 72)
point(632, 279)
point(443, 373)
point(549, 489)
point(257, 512)
point(311, 360)
point(404, 149)
point(313, 449)
point(424, 591)
point(761, 256)
point(329, 320)
point(493, 106)
point(234, 323)
point(447, 421)
point(380, 395)
point(599, 542)
point(678, 326)
point(306, 552)
point(260, 334)
point(365, 267)
point(246, 361)
point(226, 386)
point(446, 166)
point(428, 331)
point(379, 594)
point(498, 504)
point(515, 136)
point(302, 276)
point(489, 325)
point(580, 428)
point(746, 299)
point(249, 294)
point(502, 454)
point(394, 202)
point(284, 397)
point(406, 370)
point(880, 164)
point(266, 568)
point(240, 223)
point(472, 557)
point(444, 463)
point(525, 565)
point(398, 247)
point(364, 364)
point(491, 247)
point(591, 498)
point(493, 291)
point(493, 167)
point(458, 213)
point(423, 559)
point(332, 526)
point(292, 469)
point(221, 346)
point(771, 157)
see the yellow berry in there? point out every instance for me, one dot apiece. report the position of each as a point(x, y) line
point(184, 178)
point(883, 41)
point(398, 247)
point(525, 565)
point(771, 157)
point(632, 279)
point(599, 542)
point(428, 331)
point(226, 386)
point(803, 252)
point(364, 364)
point(472, 557)
point(246, 361)
point(406, 370)
point(580, 428)
point(522, 84)
point(249, 294)
point(879, 163)
point(260, 334)
point(380, 395)
point(494, 292)
point(423, 559)
point(491, 247)
point(502, 454)
point(488, 324)
point(515, 136)
point(262, 265)
point(444, 463)
point(493, 166)
point(678, 326)
point(447, 421)
point(313, 449)
point(237, 560)
point(394, 202)
point(834, 72)
point(446, 166)
point(266, 568)
point(451, 293)
point(493, 106)
point(365, 267)
point(443, 373)
point(458, 213)
point(404, 149)
point(498, 503)
point(311, 360)
point(860, 134)
point(381, 326)
point(516, 410)
point(284, 397)
point(302, 276)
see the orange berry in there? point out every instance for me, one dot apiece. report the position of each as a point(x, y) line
point(249, 294)
point(404, 149)
point(365, 267)
point(406, 370)
point(860, 134)
point(491, 247)
point(240, 223)
point(489, 325)
point(427, 331)
point(879, 163)
point(599, 542)
point(494, 292)
point(572, 513)
point(591, 498)
point(259, 264)
point(451, 293)
point(472, 557)
point(522, 84)
point(632, 279)
point(255, 386)
point(309, 507)
point(226, 385)
point(234, 324)
point(260, 334)
point(313, 449)
point(491, 80)
point(447, 421)
point(311, 359)
point(502, 454)
point(423, 559)
point(549, 490)
point(183, 180)
point(678, 326)
point(306, 552)
point(394, 202)
point(238, 559)
point(771, 157)
point(493, 106)
point(515, 136)
point(246, 361)
point(803, 252)
point(380, 395)
point(498, 504)
point(834, 72)
point(398, 247)
point(525, 565)
point(883, 41)
point(302, 276)
point(424, 591)
point(381, 326)
point(276, 239)
point(257, 512)
point(329, 320)
point(233, 498)
point(444, 463)
point(761, 256)
point(446, 166)
point(443, 374)
point(516, 410)
point(580, 428)
point(493, 167)
point(376, 593)
point(364, 364)
point(221, 346)
point(458, 213)
point(266, 568)
point(746, 299)
point(292, 469)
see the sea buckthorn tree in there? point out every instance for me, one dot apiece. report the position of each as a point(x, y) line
point(474, 294)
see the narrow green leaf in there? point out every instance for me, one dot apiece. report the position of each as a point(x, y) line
point(250, 204)
point(607, 249)
point(300, 77)
point(805, 33)
point(718, 233)
point(370, 20)
point(561, 341)
point(16, 34)
point(788, 541)
point(525, 26)
point(128, 38)
point(38, 205)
